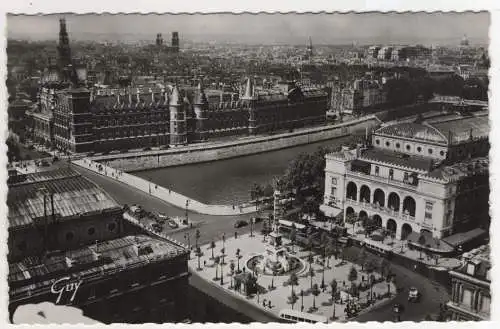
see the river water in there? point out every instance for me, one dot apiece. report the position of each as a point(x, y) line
point(229, 181)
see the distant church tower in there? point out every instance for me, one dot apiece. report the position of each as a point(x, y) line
point(175, 41)
point(63, 48)
point(309, 50)
point(200, 109)
point(177, 119)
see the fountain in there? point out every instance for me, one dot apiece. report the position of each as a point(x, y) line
point(276, 260)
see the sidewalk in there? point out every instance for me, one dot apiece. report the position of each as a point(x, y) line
point(400, 247)
point(165, 194)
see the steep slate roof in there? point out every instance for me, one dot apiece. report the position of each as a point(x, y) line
point(73, 195)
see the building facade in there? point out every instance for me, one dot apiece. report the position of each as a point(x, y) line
point(423, 177)
point(82, 120)
point(63, 229)
point(471, 297)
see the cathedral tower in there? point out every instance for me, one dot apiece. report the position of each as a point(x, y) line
point(249, 100)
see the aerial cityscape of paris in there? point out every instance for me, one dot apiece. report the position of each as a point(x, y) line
point(222, 168)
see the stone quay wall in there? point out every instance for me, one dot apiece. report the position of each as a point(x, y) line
point(207, 152)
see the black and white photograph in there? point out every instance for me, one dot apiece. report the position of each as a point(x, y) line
point(238, 168)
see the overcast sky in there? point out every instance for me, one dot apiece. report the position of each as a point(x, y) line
point(436, 28)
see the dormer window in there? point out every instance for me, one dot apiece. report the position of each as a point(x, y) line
point(471, 269)
point(377, 170)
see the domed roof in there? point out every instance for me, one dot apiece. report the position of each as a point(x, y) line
point(414, 131)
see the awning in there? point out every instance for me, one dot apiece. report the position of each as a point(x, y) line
point(461, 238)
point(330, 211)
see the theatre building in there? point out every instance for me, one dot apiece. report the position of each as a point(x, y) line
point(415, 177)
point(66, 231)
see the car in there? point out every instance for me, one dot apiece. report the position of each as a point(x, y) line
point(240, 223)
point(172, 224)
point(161, 217)
point(156, 227)
point(413, 295)
point(256, 220)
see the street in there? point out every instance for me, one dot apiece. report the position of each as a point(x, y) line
point(214, 226)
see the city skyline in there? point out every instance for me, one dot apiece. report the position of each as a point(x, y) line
point(325, 29)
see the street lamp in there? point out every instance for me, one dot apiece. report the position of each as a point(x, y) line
point(187, 205)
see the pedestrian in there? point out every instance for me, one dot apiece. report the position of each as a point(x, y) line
point(235, 234)
point(264, 302)
point(204, 263)
point(269, 304)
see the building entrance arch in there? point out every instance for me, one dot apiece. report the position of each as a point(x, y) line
point(377, 221)
point(405, 231)
point(392, 226)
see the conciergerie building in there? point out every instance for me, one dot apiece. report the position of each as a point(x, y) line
point(75, 117)
point(425, 177)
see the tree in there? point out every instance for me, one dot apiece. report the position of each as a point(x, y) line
point(238, 257)
point(353, 274)
point(293, 236)
point(212, 246)
point(384, 267)
point(315, 291)
point(265, 230)
point(333, 286)
point(197, 236)
point(421, 242)
point(216, 262)
point(223, 254)
point(362, 258)
point(351, 219)
point(292, 299)
point(198, 254)
point(293, 280)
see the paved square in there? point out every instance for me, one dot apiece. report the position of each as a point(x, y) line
point(279, 296)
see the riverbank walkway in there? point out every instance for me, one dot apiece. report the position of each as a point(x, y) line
point(163, 193)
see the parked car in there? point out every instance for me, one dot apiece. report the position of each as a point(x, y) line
point(157, 227)
point(172, 224)
point(161, 217)
point(240, 223)
point(413, 295)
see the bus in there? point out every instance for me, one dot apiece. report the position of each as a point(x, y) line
point(296, 316)
point(286, 226)
point(377, 248)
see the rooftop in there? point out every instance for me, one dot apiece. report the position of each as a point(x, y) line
point(398, 159)
point(480, 257)
point(461, 169)
point(34, 273)
point(73, 195)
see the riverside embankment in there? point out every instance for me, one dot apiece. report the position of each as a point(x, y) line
point(198, 153)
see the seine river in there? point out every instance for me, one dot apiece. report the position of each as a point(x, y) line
point(229, 181)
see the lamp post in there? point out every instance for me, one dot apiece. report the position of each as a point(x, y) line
point(187, 205)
